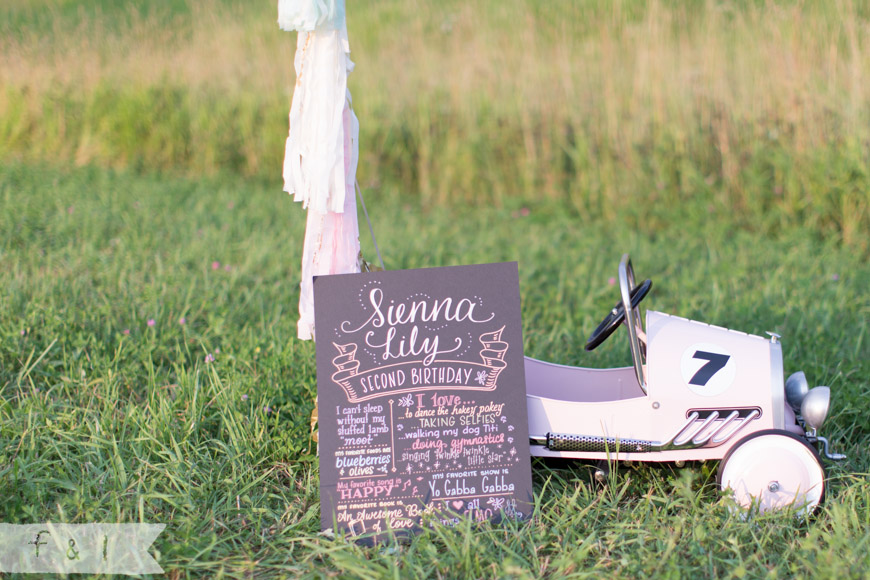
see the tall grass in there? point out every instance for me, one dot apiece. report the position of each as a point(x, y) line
point(616, 108)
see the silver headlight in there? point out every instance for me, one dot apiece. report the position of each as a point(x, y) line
point(796, 388)
point(814, 407)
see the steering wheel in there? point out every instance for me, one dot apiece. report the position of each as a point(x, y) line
point(615, 317)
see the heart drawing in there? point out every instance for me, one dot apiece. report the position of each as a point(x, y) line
point(457, 504)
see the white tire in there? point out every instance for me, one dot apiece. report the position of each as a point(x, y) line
point(771, 470)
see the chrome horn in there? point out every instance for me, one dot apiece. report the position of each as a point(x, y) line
point(796, 388)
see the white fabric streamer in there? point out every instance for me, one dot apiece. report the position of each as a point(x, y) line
point(314, 156)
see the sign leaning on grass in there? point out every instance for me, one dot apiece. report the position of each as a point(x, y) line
point(421, 389)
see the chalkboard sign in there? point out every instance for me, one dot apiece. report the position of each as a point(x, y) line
point(421, 394)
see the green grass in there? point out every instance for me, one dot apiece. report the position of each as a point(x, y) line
point(101, 425)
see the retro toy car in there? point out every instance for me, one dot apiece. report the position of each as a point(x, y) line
point(694, 392)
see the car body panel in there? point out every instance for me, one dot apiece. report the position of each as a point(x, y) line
point(690, 366)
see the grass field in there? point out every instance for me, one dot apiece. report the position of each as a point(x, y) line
point(149, 369)
point(105, 418)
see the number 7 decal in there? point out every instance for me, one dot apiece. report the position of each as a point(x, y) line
point(715, 363)
point(717, 369)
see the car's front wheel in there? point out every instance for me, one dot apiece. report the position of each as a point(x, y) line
point(773, 469)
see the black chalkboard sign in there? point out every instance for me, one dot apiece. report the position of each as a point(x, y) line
point(421, 394)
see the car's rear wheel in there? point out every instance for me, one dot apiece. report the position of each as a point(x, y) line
point(771, 470)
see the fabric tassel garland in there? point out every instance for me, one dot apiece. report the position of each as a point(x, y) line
point(322, 150)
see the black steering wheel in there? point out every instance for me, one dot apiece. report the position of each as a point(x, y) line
point(615, 317)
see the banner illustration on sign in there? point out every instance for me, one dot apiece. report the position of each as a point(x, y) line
point(416, 375)
point(421, 391)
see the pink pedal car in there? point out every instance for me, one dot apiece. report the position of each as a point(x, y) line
point(695, 392)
